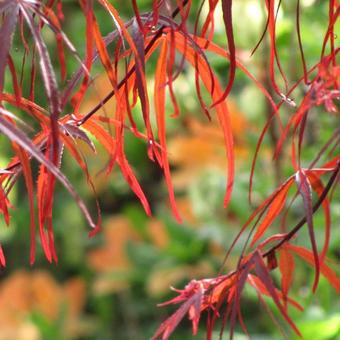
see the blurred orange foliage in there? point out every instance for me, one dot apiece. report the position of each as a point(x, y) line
point(203, 146)
point(25, 292)
point(111, 262)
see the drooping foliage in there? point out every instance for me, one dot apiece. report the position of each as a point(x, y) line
point(43, 133)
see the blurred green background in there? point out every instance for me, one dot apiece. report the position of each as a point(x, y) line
point(107, 287)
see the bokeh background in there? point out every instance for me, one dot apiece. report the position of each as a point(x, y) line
point(107, 287)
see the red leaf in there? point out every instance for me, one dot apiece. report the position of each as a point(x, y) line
point(102, 136)
point(26, 167)
point(261, 288)
point(319, 189)
point(118, 154)
point(271, 260)
point(159, 98)
point(132, 180)
point(4, 205)
point(103, 54)
point(41, 194)
point(21, 139)
point(308, 256)
point(76, 99)
point(274, 58)
point(234, 297)
point(2, 258)
point(16, 86)
point(287, 269)
point(221, 108)
point(274, 209)
point(29, 107)
point(140, 83)
point(193, 297)
point(59, 38)
point(298, 31)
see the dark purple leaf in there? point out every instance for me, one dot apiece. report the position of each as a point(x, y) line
point(14, 117)
point(228, 23)
point(241, 280)
point(263, 274)
point(49, 79)
point(5, 5)
point(6, 36)
point(305, 191)
point(76, 132)
point(63, 36)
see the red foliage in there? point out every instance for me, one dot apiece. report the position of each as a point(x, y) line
point(166, 34)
